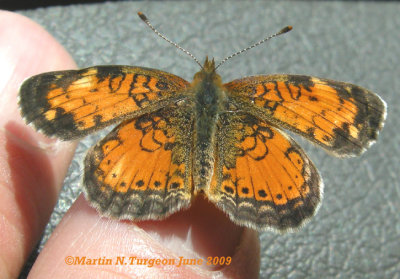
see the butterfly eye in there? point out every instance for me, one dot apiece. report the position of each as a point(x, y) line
point(217, 79)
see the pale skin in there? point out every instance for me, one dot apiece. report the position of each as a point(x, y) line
point(32, 169)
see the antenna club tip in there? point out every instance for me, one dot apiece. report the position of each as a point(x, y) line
point(286, 29)
point(142, 16)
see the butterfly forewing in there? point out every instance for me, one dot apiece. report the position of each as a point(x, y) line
point(71, 104)
point(342, 118)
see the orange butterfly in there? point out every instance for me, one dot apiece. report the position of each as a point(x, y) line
point(179, 139)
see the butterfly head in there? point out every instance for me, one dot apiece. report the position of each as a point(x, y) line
point(207, 73)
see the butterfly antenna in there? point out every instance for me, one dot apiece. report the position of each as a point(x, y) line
point(146, 20)
point(283, 31)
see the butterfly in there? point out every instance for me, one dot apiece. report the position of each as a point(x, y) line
point(178, 139)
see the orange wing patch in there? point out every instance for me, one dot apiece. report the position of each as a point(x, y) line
point(71, 104)
point(262, 178)
point(343, 118)
point(142, 169)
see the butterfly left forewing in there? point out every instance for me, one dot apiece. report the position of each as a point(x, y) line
point(341, 117)
point(262, 179)
point(71, 104)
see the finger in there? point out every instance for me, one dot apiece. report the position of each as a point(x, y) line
point(32, 167)
point(87, 245)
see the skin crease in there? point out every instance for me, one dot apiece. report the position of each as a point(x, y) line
point(32, 169)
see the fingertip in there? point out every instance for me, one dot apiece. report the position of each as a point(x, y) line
point(28, 49)
point(31, 174)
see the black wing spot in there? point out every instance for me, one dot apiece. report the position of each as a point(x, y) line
point(262, 193)
point(140, 183)
point(175, 185)
point(229, 189)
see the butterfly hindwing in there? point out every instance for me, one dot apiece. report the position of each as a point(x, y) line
point(142, 169)
point(71, 104)
point(262, 179)
point(342, 118)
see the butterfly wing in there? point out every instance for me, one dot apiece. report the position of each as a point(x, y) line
point(342, 118)
point(262, 179)
point(142, 169)
point(71, 104)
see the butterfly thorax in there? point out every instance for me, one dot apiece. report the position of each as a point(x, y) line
point(209, 99)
